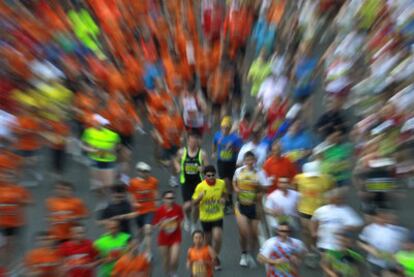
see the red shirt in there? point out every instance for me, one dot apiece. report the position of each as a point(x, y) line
point(170, 232)
point(77, 255)
point(277, 168)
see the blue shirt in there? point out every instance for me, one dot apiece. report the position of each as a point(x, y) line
point(293, 145)
point(227, 146)
point(152, 72)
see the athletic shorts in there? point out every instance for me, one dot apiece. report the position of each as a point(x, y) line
point(169, 153)
point(127, 141)
point(248, 211)
point(226, 169)
point(144, 219)
point(209, 225)
point(9, 231)
point(103, 165)
point(187, 190)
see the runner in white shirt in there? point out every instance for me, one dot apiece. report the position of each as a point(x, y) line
point(282, 254)
point(254, 145)
point(330, 219)
point(281, 205)
point(381, 240)
point(272, 87)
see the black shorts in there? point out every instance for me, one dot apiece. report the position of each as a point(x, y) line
point(187, 190)
point(169, 153)
point(10, 231)
point(144, 219)
point(248, 211)
point(209, 225)
point(103, 165)
point(226, 169)
point(127, 141)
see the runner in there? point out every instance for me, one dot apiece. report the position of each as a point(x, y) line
point(110, 247)
point(189, 163)
point(194, 110)
point(101, 144)
point(64, 210)
point(168, 218)
point(226, 146)
point(79, 257)
point(247, 183)
point(44, 260)
point(282, 254)
point(200, 257)
point(210, 196)
point(132, 263)
point(144, 192)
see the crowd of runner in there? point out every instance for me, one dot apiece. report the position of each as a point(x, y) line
point(82, 79)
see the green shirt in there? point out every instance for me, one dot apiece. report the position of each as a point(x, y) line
point(337, 161)
point(109, 245)
point(406, 260)
point(258, 72)
point(345, 262)
point(104, 140)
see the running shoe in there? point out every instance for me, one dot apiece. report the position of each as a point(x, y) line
point(243, 260)
point(217, 265)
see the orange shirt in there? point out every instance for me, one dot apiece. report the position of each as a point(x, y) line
point(219, 86)
point(278, 167)
point(12, 200)
point(145, 194)
point(86, 104)
point(170, 128)
point(60, 130)
point(62, 212)
point(173, 76)
point(128, 266)
point(44, 261)
point(276, 12)
point(201, 261)
point(9, 160)
point(27, 128)
point(122, 117)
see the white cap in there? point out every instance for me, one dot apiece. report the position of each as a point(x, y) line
point(100, 119)
point(312, 169)
point(143, 166)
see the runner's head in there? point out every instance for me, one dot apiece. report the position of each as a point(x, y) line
point(384, 216)
point(249, 159)
point(256, 134)
point(78, 232)
point(226, 123)
point(118, 193)
point(210, 174)
point(283, 230)
point(295, 127)
point(193, 140)
point(44, 239)
point(64, 189)
point(112, 226)
point(276, 149)
point(336, 196)
point(198, 238)
point(143, 169)
point(168, 197)
point(283, 183)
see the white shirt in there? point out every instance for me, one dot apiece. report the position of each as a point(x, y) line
point(7, 120)
point(261, 176)
point(289, 247)
point(270, 89)
point(332, 220)
point(385, 238)
point(286, 203)
point(249, 146)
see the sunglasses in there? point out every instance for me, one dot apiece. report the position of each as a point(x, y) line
point(283, 231)
point(210, 175)
point(169, 198)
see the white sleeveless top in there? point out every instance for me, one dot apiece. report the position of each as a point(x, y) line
point(192, 115)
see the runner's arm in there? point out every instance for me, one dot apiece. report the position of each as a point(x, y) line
point(263, 260)
point(177, 161)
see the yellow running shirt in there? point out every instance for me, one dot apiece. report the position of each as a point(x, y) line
point(211, 208)
point(312, 190)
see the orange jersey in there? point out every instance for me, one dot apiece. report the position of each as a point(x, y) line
point(12, 200)
point(170, 129)
point(9, 160)
point(62, 213)
point(173, 75)
point(145, 194)
point(57, 134)
point(122, 117)
point(128, 266)
point(219, 86)
point(27, 129)
point(44, 261)
point(158, 102)
point(201, 261)
point(86, 105)
point(276, 12)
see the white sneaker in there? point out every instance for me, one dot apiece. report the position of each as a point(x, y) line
point(243, 260)
point(173, 181)
point(251, 261)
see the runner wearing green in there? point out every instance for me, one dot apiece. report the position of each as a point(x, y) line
point(258, 72)
point(104, 140)
point(111, 246)
point(344, 262)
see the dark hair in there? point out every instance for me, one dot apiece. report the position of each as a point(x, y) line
point(193, 134)
point(209, 168)
point(284, 223)
point(167, 192)
point(118, 188)
point(249, 154)
point(197, 232)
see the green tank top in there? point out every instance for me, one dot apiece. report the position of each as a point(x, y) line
point(406, 260)
point(104, 140)
point(190, 167)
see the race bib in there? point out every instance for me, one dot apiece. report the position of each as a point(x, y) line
point(226, 154)
point(191, 169)
point(380, 184)
point(295, 155)
point(199, 269)
point(170, 226)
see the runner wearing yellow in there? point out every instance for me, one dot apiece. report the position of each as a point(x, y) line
point(210, 195)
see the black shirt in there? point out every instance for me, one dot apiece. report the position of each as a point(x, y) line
point(121, 208)
point(330, 122)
